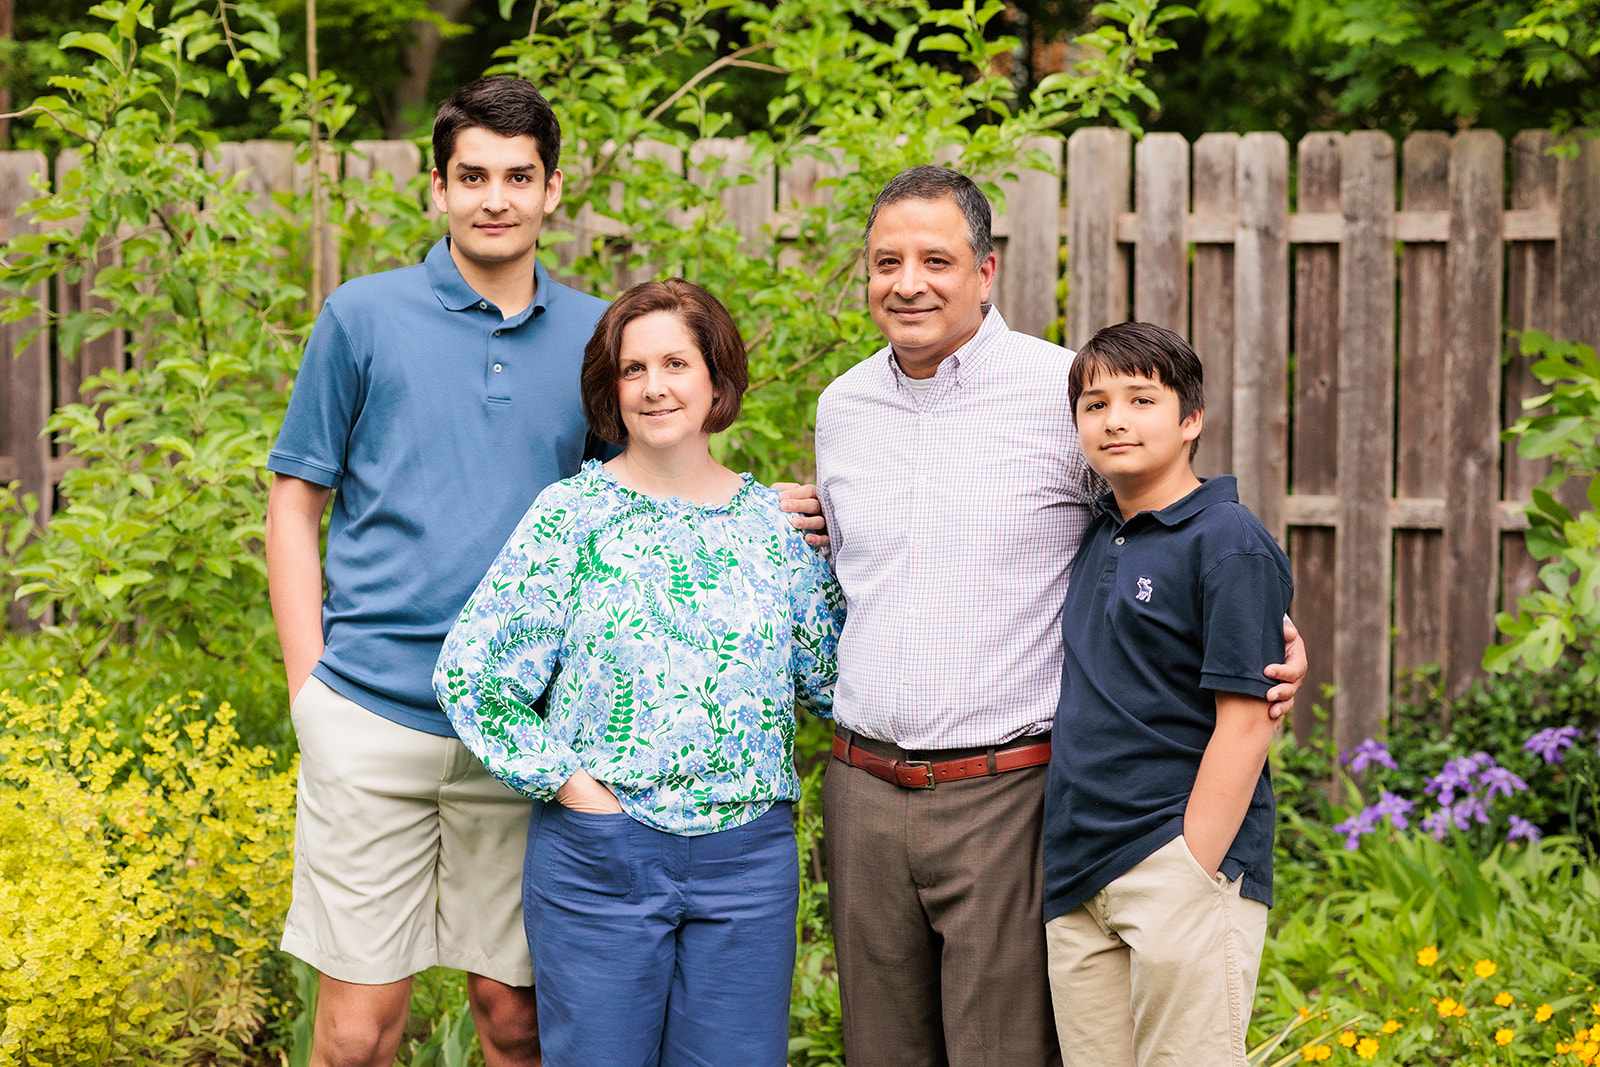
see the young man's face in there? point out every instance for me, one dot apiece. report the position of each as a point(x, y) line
point(925, 288)
point(495, 196)
point(1129, 427)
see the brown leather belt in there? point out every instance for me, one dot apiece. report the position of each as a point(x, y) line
point(925, 774)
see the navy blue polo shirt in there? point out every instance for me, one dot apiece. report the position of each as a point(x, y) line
point(437, 422)
point(1164, 611)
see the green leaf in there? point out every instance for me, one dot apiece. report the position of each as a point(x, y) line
point(98, 43)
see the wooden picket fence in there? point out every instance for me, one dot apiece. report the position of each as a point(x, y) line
point(1351, 310)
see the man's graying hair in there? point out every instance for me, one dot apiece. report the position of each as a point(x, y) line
point(935, 183)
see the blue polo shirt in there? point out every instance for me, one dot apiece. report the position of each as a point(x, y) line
point(1164, 611)
point(437, 423)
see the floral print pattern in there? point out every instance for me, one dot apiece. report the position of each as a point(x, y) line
point(659, 645)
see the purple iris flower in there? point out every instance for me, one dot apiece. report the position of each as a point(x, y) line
point(1437, 823)
point(1365, 754)
point(1364, 822)
point(1470, 809)
point(1549, 744)
point(1394, 808)
point(1522, 830)
point(1499, 780)
point(1456, 776)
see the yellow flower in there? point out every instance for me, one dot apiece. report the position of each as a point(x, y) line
point(1542, 1013)
point(1461, 1009)
point(1314, 1053)
point(1446, 1006)
point(1391, 1026)
point(1504, 1036)
point(1484, 968)
point(1348, 1039)
point(1428, 957)
point(1504, 999)
point(1367, 1048)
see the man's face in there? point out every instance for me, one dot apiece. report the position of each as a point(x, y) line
point(1129, 427)
point(495, 196)
point(925, 288)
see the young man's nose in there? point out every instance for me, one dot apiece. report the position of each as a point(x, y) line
point(494, 198)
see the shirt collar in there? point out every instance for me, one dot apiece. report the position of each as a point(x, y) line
point(1222, 489)
point(455, 294)
point(964, 359)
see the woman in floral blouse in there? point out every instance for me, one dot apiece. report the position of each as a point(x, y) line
point(632, 661)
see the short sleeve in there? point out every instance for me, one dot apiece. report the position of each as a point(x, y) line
point(327, 397)
point(1244, 597)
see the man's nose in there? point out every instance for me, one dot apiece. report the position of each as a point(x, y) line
point(908, 282)
point(495, 198)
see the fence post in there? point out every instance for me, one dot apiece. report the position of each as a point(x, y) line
point(1578, 244)
point(1366, 415)
point(1097, 192)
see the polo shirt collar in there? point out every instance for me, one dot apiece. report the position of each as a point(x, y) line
point(964, 359)
point(455, 294)
point(1222, 489)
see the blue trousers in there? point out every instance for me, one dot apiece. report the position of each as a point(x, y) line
point(653, 949)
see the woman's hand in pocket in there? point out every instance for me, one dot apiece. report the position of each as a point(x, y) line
point(583, 793)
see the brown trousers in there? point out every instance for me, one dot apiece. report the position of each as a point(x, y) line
point(937, 918)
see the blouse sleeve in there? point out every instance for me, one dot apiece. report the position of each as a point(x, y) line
point(817, 612)
point(506, 645)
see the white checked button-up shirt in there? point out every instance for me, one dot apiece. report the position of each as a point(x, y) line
point(954, 515)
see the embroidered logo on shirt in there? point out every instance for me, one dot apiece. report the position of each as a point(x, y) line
point(1144, 590)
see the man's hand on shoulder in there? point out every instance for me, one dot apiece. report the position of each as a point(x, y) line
point(805, 511)
point(1289, 674)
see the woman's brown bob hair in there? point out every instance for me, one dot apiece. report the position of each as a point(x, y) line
point(708, 323)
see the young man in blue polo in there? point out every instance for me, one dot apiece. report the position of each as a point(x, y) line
point(1158, 806)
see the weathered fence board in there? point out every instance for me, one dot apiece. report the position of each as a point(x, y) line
point(75, 294)
point(1530, 305)
point(1161, 255)
point(1471, 397)
point(24, 373)
point(1025, 288)
point(1366, 412)
point(1316, 416)
point(1261, 328)
point(1420, 458)
point(1097, 193)
point(1216, 163)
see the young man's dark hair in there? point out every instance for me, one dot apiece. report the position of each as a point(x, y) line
point(504, 105)
point(933, 183)
point(708, 323)
point(1145, 349)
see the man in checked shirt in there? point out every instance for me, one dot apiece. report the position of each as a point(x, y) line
point(955, 492)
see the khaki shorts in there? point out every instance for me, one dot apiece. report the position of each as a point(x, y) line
point(407, 853)
point(1158, 968)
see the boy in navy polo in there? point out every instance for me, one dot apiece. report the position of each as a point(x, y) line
point(1158, 808)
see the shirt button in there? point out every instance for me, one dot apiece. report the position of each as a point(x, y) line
point(498, 367)
point(497, 333)
point(483, 305)
point(1119, 540)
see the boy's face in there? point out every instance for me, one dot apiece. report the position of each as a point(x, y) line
point(1129, 427)
point(495, 196)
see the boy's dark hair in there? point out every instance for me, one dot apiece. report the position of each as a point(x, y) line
point(504, 105)
point(935, 183)
point(707, 321)
point(1141, 348)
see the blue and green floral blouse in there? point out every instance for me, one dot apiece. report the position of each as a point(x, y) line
point(670, 641)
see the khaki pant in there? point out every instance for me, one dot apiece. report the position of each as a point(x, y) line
point(1158, 968)
point(407, 852)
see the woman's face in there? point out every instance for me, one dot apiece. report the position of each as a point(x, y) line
point(664, 386)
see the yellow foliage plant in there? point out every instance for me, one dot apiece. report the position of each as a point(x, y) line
point(138, 887)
